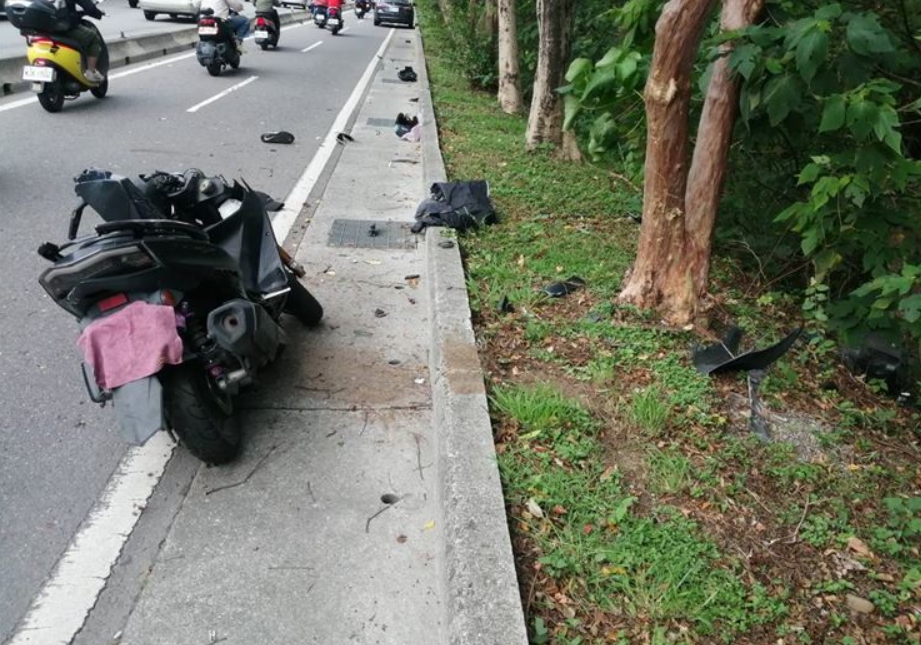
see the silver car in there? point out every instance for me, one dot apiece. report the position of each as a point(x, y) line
point(174, 8)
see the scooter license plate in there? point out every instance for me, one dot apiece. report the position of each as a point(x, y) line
point(38, 74)
point(261, 35)
point(333, 21)
point(207, 31)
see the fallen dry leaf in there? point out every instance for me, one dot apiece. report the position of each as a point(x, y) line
point(859, 547)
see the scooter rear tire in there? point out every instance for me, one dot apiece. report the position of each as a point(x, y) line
point(52, 96)
point(264, 45)
point(204, 424)
point(100, 90)
point(301, 304)
point(214, 69)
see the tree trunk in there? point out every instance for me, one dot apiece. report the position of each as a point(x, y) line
point(660, 278)
point(545, 121)
point(711, 151)
point(509, 67)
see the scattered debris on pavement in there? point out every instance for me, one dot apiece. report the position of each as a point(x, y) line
point(281, 136)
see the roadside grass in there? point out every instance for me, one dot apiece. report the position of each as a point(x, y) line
point(642, 510)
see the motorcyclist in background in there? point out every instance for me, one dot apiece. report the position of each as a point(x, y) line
point(268, 7)
point(89, 40)
point(231, 12)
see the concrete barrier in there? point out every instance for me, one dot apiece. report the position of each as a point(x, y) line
point(124, 51)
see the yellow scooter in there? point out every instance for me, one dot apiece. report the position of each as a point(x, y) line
point(56, 63)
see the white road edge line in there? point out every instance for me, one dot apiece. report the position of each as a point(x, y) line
point(59, 610)
point(316, 44)
point(285, 218)
point(196, 108)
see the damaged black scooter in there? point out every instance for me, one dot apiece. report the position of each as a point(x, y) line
point(179, 292)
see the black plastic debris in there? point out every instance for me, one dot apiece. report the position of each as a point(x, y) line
point(446, 244)
point(404, 123)
point(277, 137)
point(506, 306)
point(373, 231)
point(407, 74)
point(708, 358)
point(723, 357)
point(560, 289)
point(379, 313)
point(344, 138)
point(460, 205)
point(270, 204)
point(876, 357)
point(760, 359)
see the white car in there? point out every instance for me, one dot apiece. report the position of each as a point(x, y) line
point(174, 8)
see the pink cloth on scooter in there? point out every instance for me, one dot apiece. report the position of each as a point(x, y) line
point(132, 343)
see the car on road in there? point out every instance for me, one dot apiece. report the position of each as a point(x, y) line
point(303, 4)
point(400, 12)
point(173, 8)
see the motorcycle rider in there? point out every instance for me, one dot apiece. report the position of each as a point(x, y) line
point(334, 5)
point(268, 7)
point(237, 22)
point(89, 39)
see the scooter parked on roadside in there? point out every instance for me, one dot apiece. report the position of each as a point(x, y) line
point(217, 44)
point(265, 32)
point(179, 295)
point(56, 62)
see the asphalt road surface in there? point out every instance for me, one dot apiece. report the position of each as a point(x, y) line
point(57, 449)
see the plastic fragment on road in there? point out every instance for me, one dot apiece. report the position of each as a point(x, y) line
point(281, 136)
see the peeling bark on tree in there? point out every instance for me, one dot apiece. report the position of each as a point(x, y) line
point(680, 202)
point(509, 94)
point(545, 121)
point(711, 151)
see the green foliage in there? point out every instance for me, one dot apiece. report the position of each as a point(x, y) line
point(831, 80)
point(611, 85)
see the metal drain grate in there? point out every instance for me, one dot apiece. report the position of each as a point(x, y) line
point(380, 123)
point(358, 233)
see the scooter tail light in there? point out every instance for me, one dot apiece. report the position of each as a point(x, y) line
point(209, 22)
point(260, 22)
point(112, 302)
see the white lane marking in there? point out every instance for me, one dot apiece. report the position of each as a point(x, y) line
point(144, 68)
point(59, 610)
point(221, 95)
point(285, 218)
point(316, 44)
point(19, 103)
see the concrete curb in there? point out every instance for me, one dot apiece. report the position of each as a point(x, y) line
point(483, 604)
point(122, 51)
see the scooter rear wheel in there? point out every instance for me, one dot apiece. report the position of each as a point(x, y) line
point(214, 69)
point(301, 304)
point(201, 418)
point(52, 96)
point(100, 90)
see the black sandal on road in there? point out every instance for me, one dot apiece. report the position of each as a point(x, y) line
point(278, 137)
